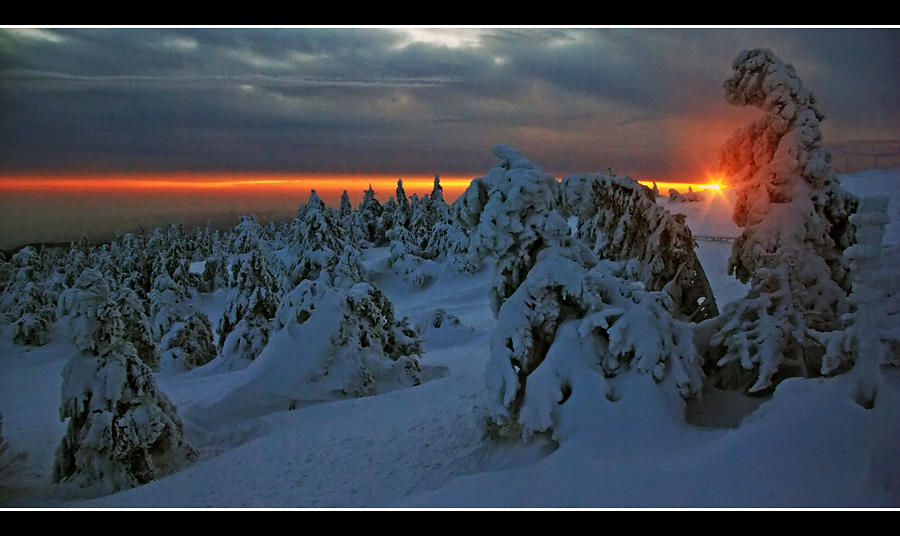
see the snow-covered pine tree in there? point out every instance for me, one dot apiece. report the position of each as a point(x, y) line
point(319, 241)
point(215, 274)
point(405, 257)
point(79, 258)
point(369, 216)
point(404, 208)
point(437, 222)
point(620, 220)
point(122, 431)
point(566, 323)
point(5, 274)
point(35, 314)
point(27, 275)
point(138, 328)
point(512, 214)
point(190, 343)
point(795, 220)
point(246, 322)
point(166, 299)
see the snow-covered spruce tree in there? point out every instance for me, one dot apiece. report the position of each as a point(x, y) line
point(620, 220)
point(368, 218)
point(35, 315)
point(345, 210)
point(871, 328)
point(166, 299)
point(511, 214)
point(80, 257)
point(27, 275)
point(318, 242)
point(5, 273)
point(190, 343)
point(567, 324)
point(406, 258)
point(138, 328)
point(246, 322)
point(795, 220)
point(403, 212)
point(122, 431)
point(215, 274)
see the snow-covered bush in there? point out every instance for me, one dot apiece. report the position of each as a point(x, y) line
point(363, 341)
point(795, 220)
point(122, 431)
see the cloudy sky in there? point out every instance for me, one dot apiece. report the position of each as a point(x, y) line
point(643, 102)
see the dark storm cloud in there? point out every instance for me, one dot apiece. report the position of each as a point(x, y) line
point(385, 100)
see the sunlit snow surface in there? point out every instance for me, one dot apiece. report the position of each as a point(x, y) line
point(810, 445)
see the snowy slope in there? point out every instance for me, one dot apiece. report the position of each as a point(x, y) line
point(810, 445)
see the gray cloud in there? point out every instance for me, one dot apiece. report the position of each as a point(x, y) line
point(383, 100)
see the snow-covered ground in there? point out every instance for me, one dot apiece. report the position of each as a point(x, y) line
point(809, 445)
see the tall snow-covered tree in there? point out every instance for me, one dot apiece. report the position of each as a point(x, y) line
point(404, 207)
point(795, 220)
point(122, 431)
point(368, 218)
point(512, 214)
point(166, 299)
point(35, 314)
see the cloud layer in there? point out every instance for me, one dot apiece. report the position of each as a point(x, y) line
point(644, 102)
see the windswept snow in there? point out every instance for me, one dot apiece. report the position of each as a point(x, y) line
point(808, 445)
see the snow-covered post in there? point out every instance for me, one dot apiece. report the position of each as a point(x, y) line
point(795, 220)
point(871, 327)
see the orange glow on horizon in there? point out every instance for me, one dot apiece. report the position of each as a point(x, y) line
point(328, 186)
